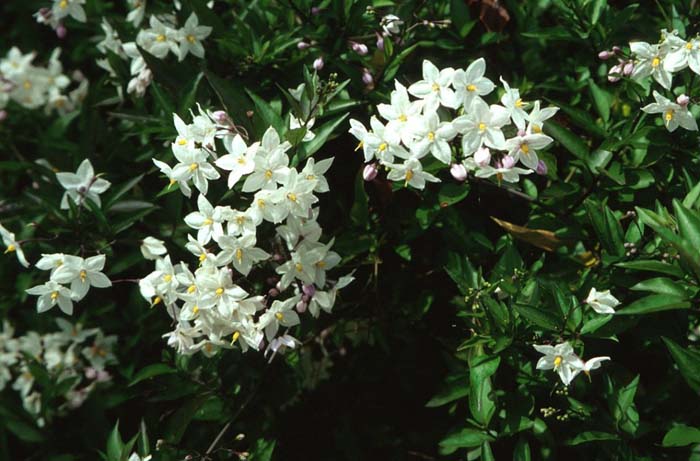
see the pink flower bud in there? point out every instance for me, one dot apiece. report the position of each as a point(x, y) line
point(221, 117)
point(360, 48)
point(277, 257)
point(380, 42)
point(301, 307)
point(367, 78)
point(3, 115)
point(318, 63)
point(482, 156)
point(541, 168)
point(273, 292)
point(309, 290)
point(616, 49)
point(683, 100)
point(370, 172)
point(521, 133)
point(103, 376)
point(458, 171)
point(628, 68)
point(90, 373)
point(61, 31)
point(605, 55)
point(315, 10)
point(614, 73)
point(303, 45)
point(507, 162)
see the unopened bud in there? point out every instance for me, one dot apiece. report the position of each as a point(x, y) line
point(309, 290)
point(380, 42)
point(614, 73)
point(221, 117)
point(370, 172)
point(507, 162)
point(605, 55)
point(360, 48)
point(303, 45)
point(240, 437)
point(482, 156)
point(367, 78)
point(683, 100)
point(278, 286)
point(90, 373)
point(273, 292)
point(61, 31)
point(318, 63)
point(616, 49)
point(277, 257)
point(458, 171)
point(3, 115)
point(78, 76)
point(541, 168)
point(315, 10)
point(628, 68)
point(301, 307)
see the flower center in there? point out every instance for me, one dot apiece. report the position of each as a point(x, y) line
point(403, 118)
point(54, 295)
point(298, 267)
point(191, 38)
point(10, 248)
point(382, 147)
point(268, 174)
point(27, 84)
point(182, 141)
point(191, 289)
point(195, 310)
point(208, 222)
point(471, 87)
point(219, 291)
point(536, 128)
point(482, 126)
point(557, 361)
point(436, 87)
point(63, 4)
point(519, 103)
point(83, 275)
point(193, 166)
point(167, 278)
point(409, 175)
point(279, 316)
point(669, 115)
point(235, 337)
point(292, 196)
point(160, 38)
point(525, 148)
point(239, 255)
point(431, 136)
point(655, 62)
point(689, 46)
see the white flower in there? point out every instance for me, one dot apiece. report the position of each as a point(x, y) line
point(241, 252)
point(82, 274)
point(482, 126)
point(296, 194)
point(81, 185)
point(470, 84)
point(135, 16)
point(602, 301)
point(402, 114)
point(433, 136)
point(674, 115)
point(514, 105)
point(383, 142)
point(280, 344)
point(193, 165)
point(391, 24)
point(524, 148)
point(537, 117)
point(560, 358)
point(12, 246)
point(411, 172)
point(295, 123)
point(297, 228)
point(73, 8)
point(502, 173)
point(50, 294)
point(280, 313)
point(650, 61)
point(358, 130)
point(687, 55)
point(190, 37)
point(435, 89)
point(208, 220)
point(314, 171)
point(159, 39)
point(592, 364)
point(152, 248)
point(240, 160)
point(270, 169)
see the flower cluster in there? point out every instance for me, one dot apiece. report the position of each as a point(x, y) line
point(660, 61)
point(562, 359)
point(70, 355)
point(70, 280)
point(415, 130)
point(58, 12)
point(210, 307)
point(32, 86)
point(159, 39)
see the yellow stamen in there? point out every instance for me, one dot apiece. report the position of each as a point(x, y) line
point(240, 220)
point(409, 176)
point(471, 87)
point(359, 145)
point(536, 129)
point(193, 166)
point(298, 267)
point(689, 46)
point(279, 316)
point(655, 62)
point(202, 257)
point(524, 148)
point(241, 160)
point(191, 289)
point(167, 278)
point(482, 126)
point(310, 177)
point(292, 196)
point(219, 291)
point(182, 141)
point(10, 248)
point(268, 174)
point(171, 182)
point(239, 255)
point(83, 275)
point(669, 115)
point(557, 361)
point(156, 300)
point(321, 264)
point(403, 118)
point(431, 136)
point(261, 203)
point(63, 4)
point(208, 222)
point(382, 147)
point(191, 38)
point(27, 84)
point(519, 103)
point(235, 337)
point(160, 38)
point(54, 295)
point(195, 310)
point(436, 87)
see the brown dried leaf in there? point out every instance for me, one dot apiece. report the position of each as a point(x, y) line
point(538, 237)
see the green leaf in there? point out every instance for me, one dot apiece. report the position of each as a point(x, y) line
point(451, 193)
point(121, 190)
point(601, 99)
point(652, 266)
point(591, 436)
point(150, 371)
point(681, 436)
point(263, 450)
point(597, 8)
point(566, 138)
point(661, 285)
point(540, 317)
point(114, 444)
point(481, 402)
point(176, 425)
point(322, 135)
point(466, 438)
point(688, 224)
point(655, 303)
point(454, 390)
point(688, 362)
point(462, 272)
point(522, 450)
point(623, 408)
point(267, 114)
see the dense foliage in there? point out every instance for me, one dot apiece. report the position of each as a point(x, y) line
point(202, 262)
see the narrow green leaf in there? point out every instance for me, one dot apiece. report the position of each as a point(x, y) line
point(688, 362)
point(151, 371)
point(654, 303)
point(681, 436)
